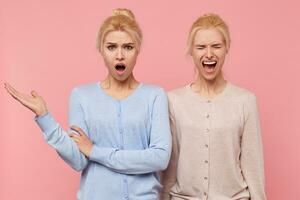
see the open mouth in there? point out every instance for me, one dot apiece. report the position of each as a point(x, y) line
point(120, 68)
point(209, 64)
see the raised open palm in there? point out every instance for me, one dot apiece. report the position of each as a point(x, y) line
point(34, 102)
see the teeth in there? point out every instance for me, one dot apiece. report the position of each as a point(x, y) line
point(209, 62)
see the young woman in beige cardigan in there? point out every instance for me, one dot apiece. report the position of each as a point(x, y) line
point(217, 150)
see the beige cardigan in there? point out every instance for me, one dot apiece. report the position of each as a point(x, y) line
point(217, 150)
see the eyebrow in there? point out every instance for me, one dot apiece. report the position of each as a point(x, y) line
point(129, 43)
point(111, 43)
point(217, 44)
point(203, 45)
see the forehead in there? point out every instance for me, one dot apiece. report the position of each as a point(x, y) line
point(118, 37)
point(208, 36)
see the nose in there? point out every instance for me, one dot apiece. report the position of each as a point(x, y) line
point(120, 55)
point(209, 53)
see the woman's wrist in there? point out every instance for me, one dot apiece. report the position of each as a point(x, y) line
point(41, 112)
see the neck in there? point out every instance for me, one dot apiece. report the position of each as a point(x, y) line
point(209, 88)
point(111, 83)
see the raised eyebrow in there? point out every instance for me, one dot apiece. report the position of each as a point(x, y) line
point(130, 43)
point(125, 44)
point(110, 43)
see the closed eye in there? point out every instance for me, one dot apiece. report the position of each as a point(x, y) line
point(217, 46)
point(200, 47)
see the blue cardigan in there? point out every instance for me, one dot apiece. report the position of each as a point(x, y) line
point(131, 137)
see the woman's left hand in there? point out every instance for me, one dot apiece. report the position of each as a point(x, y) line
point(84, 144)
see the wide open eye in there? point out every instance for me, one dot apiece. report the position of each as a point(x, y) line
point(128, 47)
point(111, 47)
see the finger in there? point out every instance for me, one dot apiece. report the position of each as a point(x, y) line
point(78, 130)
point(11, 90)
point(15, 94)
point(34, 93)
point(22, 98)
point(74, 135)
point(75, 139)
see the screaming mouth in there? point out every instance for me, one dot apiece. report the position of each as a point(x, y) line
point(209, 64)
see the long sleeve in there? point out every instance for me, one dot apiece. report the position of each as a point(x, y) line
point(59, 139)
point(152, 159)
point(251, 152)
point(168, 176)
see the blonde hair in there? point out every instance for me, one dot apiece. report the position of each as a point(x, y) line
point(121, 20)
point(208, 21)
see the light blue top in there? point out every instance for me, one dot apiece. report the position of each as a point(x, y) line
point(131, 137)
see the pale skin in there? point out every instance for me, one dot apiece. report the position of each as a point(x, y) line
point(119, 48)
point(209, 45)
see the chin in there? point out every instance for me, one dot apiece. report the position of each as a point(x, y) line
point(210, 77)
point(121, 78)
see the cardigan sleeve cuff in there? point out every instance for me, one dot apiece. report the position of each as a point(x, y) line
point(46, 122)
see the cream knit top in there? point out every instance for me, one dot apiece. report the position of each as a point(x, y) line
point(217, 149)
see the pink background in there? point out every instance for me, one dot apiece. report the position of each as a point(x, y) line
point(50, 47)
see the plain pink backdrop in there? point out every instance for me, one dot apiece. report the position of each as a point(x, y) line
point(49, 46)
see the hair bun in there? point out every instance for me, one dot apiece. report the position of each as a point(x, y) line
point(124, 11)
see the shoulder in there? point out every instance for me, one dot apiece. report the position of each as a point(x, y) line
point(243, 97)
point(84, 89)
point(178, 92)
point(247, 99)
point(240, 93)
